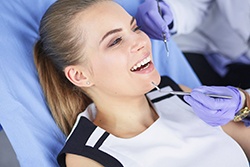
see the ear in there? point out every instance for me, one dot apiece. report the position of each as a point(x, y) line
point(76, 76)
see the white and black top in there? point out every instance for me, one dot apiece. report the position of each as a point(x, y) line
point(178, 138)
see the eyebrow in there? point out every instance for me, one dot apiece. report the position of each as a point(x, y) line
point(115, 30)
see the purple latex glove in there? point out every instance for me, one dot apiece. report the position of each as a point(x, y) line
point(150, 20)
point(215, 111)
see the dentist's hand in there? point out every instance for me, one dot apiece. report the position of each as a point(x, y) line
point(150, 20)
point(215, 111)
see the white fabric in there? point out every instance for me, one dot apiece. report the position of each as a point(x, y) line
point(177, 139)
point(219, 26)
point(187, 14)
point(95, 136)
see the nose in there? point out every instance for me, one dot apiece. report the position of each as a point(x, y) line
point(138, 43)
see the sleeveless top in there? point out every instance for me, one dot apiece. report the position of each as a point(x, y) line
point(178, 138)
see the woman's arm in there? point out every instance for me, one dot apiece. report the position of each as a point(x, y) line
point(73, 160)
point(240, 133)
point(238, 130)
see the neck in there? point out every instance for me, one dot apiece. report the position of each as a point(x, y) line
point(125, 118)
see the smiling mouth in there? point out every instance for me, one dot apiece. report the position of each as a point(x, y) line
point(141, 65)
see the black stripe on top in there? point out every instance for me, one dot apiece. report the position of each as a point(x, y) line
point(166, 81)
point(101, 140)
point(76, 144)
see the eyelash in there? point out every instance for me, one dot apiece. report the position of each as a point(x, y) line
point(137, 28)
point(118, 40)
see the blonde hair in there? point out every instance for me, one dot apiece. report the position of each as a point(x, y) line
point(61, 44)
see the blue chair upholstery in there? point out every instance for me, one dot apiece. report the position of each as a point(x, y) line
point(24, 115)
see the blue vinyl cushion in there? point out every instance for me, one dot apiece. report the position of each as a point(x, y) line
point(23, 113)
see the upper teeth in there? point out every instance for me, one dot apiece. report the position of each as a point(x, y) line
point(143, 62)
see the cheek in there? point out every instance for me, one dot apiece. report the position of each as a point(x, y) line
point(147, 39)
point(111, 65)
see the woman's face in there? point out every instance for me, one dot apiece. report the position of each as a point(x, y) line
point(119, 53)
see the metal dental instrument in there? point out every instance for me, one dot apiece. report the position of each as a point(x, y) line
point(163, 34)
point(188, 93)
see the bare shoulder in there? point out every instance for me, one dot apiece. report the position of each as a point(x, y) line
point(73, 160)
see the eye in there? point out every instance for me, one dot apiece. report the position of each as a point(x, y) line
point(116, 41)
point(137, 28)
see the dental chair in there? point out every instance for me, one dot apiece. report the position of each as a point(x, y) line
point(24, 115)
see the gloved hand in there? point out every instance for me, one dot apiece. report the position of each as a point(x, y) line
point(150, 20)
point(215, 111)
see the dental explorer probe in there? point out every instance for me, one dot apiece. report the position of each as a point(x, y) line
point(188, 93)
point(163, 34)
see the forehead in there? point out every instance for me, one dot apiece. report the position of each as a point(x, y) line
point(102, 17)
point(105, 9)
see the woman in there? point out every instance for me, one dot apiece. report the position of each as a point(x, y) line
point(92, 57)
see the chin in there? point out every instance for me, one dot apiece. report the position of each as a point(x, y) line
point(156, 78)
